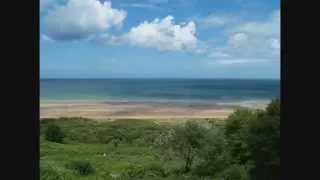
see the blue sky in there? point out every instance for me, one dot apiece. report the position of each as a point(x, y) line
point(160, 38)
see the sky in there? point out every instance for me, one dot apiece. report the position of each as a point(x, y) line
point(160, 39)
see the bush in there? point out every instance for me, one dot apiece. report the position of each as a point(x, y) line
point(83, 168)
point(54, 134)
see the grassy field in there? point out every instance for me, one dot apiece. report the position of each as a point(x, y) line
point(121, 149)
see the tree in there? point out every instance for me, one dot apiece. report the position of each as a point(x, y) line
point(264, 144)
point(236, 133)
point(187, 140)
point(214, 155)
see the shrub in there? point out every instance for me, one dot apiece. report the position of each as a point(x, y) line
point(53, 133)
point(83, 168)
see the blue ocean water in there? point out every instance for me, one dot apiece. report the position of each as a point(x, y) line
point(168, 91)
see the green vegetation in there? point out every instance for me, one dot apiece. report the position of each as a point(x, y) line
point(245, 147)
point(54, 134)
point(81, 167)
point(186, 141)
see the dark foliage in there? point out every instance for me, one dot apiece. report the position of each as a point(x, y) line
point(249, 147)
point(54, 134)
point(235, 172)
point(236, 133)
point(214, 157)
point(264, 144)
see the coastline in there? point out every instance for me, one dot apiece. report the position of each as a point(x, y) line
point(101, 110)
point(157, 98)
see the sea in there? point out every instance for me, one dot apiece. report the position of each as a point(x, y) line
point(182, 92)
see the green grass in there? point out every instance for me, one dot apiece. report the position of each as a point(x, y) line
point(94, 142)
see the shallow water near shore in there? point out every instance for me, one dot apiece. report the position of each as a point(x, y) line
point(196, 93)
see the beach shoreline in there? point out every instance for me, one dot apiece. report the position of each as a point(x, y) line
point(105, 111)
point(156, 98)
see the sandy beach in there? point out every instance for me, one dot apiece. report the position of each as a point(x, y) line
point(107, 111)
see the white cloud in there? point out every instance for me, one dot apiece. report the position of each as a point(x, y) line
point(237, 61)
point(269, 27)
point(253, 47)
point(218, 55)
point(252, 40)
point(78, 19)
point(162, 34)
point(238, 39)
point(213, 20)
